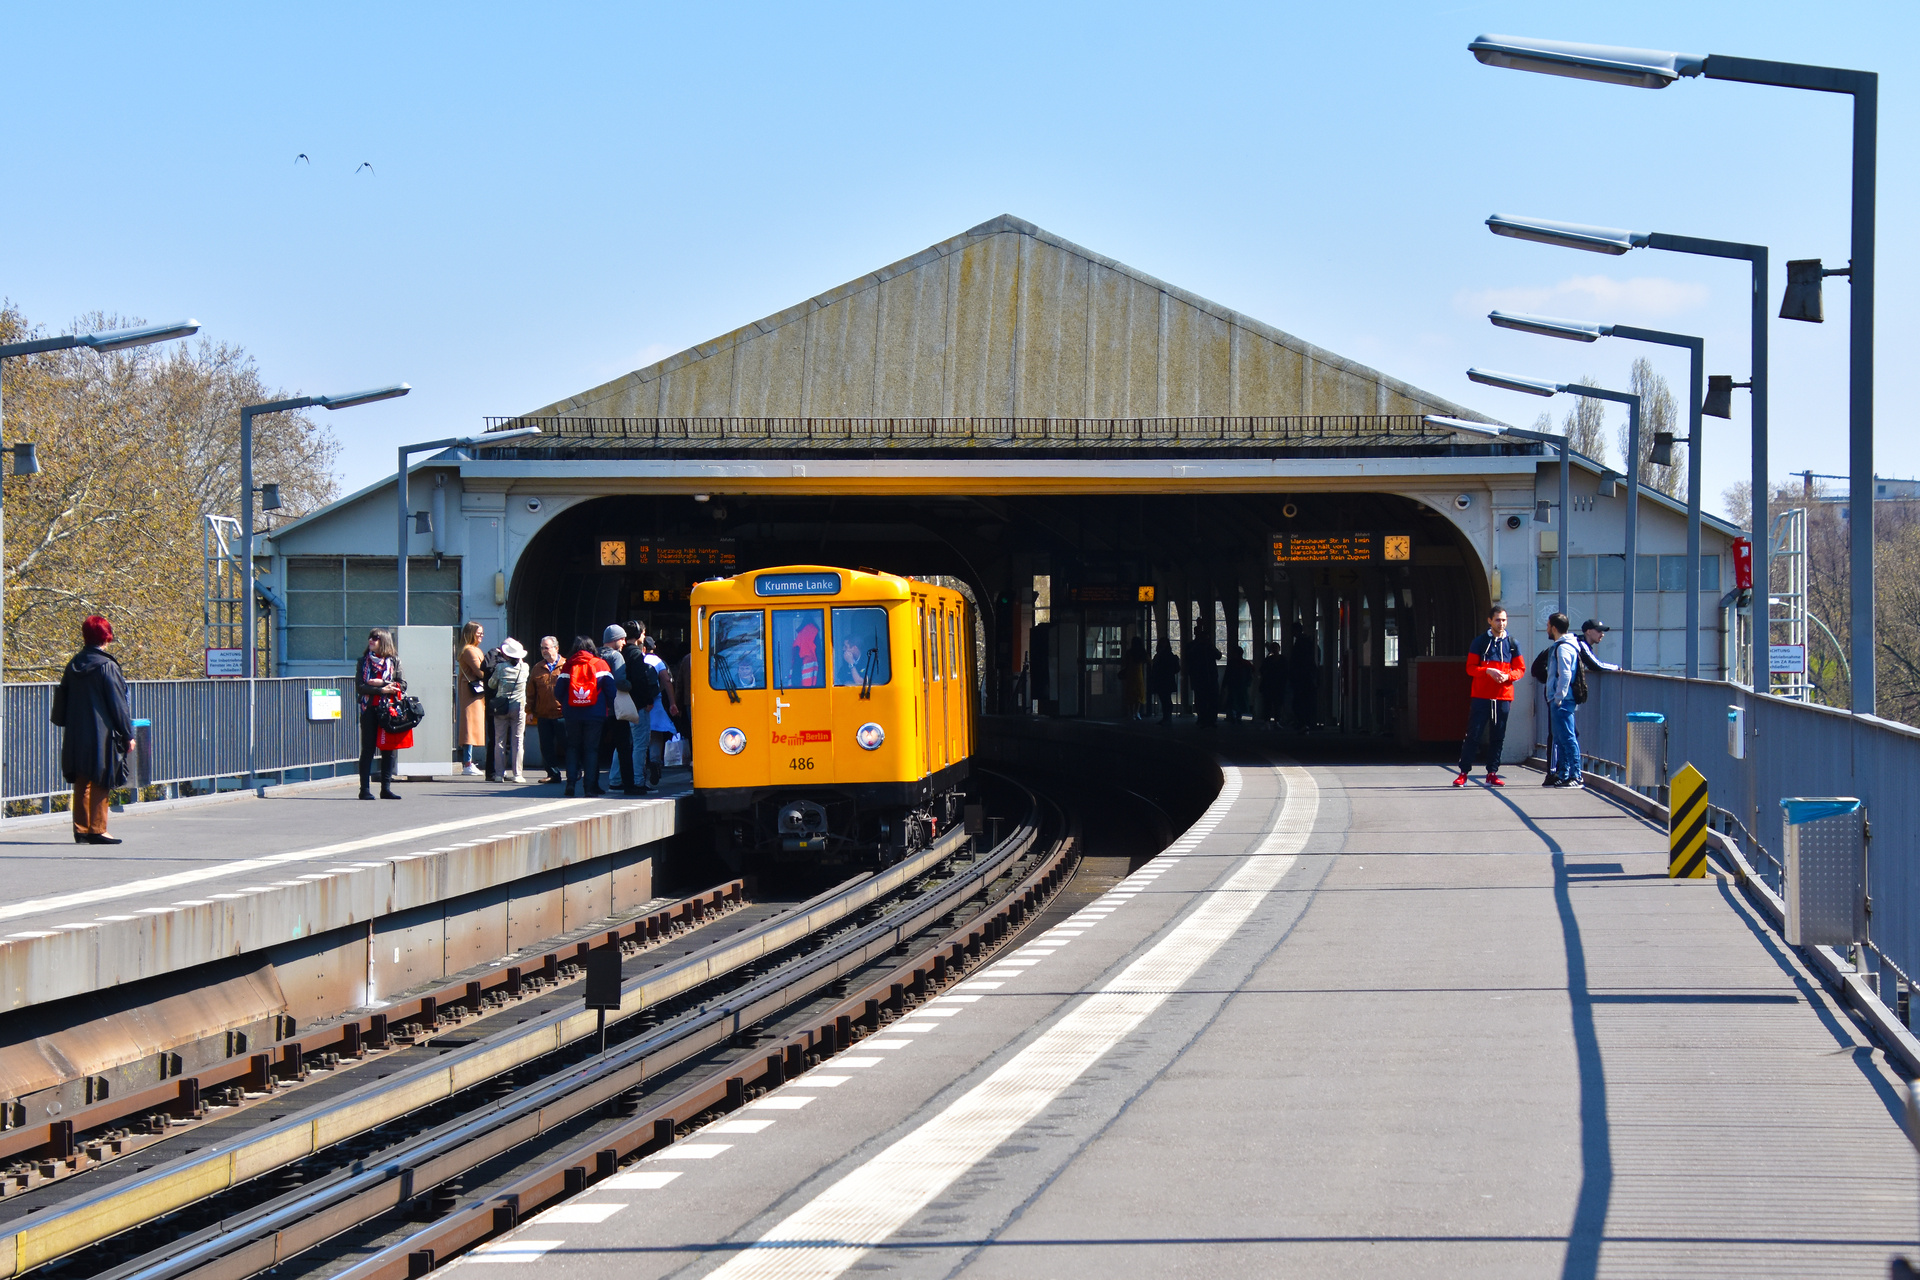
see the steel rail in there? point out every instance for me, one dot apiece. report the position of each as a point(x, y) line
point(296, 1222)
point(88, 1219)
point(966, 946)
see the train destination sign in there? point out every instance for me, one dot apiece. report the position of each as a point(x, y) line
point(796, 584)
point(1110, 593)
point(1335, 548)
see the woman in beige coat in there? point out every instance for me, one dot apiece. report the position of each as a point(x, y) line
point(473, 698)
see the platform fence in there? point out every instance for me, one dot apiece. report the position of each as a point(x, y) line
point(197, 737)
point(1792, 749)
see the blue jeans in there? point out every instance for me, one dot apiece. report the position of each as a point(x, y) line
point(1487, 714)
point(1566, 742)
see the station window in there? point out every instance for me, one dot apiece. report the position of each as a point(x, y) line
point(799, 636)
point(332, 601)
point(1580, 573)
point(1546, 576)
point(1606, 573)
point(736, 649)
point(860, 653)
point(1611, 572)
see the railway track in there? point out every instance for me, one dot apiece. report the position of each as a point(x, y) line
point(497, 1128)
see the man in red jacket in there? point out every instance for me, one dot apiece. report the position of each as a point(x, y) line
point(1494, 664)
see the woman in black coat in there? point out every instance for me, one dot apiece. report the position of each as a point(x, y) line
point(92, 706)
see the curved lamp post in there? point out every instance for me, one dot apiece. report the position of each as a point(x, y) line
point(1538, 387)
point(26, 462)
point(1576, 331)
point(1655, 69)
point(247, 414)
point(400, 484)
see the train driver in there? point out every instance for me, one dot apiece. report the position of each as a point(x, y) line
point(860, 657)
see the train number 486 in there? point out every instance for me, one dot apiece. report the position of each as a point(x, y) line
point(800, 763)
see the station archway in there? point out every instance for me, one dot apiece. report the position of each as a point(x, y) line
point(1059, 581)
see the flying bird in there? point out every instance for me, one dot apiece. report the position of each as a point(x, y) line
point(368, 166)
point(302, 156)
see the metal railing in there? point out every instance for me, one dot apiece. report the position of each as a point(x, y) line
point(197, 735)
point(1313, 430)
point(1792, 749)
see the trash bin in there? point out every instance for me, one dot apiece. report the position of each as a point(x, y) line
point(141, 765)
point(1826, 871)
point(1646, 750)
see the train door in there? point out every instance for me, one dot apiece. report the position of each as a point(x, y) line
point(942, 682)
point(924, 716)
point(802, 705)
point(736, 682)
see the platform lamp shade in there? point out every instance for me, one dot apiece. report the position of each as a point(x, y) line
point(1660, 453)
point(26, 460)
point(1803, 300)
point(269, 497)
point(1719, 399)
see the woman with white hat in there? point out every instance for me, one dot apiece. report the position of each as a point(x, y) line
point(507, 687)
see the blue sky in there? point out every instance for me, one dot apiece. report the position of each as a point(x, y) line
point(562, 195)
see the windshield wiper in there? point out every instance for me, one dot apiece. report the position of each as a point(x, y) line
point(733, 687)
point(866, 682)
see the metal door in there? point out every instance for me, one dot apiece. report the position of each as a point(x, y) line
point(427, 664)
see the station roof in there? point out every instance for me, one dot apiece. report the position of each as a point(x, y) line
point(1005, 338)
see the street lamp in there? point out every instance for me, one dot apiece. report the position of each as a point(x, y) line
point(400, 484)
point(1662, 452)
point(1611, 240)
point(26, 462)
point(1537, 387)
point(247, 414)
point(1655, 69)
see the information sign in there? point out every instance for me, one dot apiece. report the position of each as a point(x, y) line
point(796, 584)
point(1787, 659)
point(323, 704)
point(1110, 593)
point(1335, 548)
point(226, 662)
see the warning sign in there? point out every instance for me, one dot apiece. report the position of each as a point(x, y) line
point(1687, 825)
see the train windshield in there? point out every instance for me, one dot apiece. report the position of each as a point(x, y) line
point(860, 656)
point(737, 649)
point(799, 649)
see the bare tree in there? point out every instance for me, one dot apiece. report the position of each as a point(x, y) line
point(1657, 413)
point(1583, 425)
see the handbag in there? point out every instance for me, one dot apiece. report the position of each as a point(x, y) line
point(392, 739)
point(624, 708)
point(674, 752)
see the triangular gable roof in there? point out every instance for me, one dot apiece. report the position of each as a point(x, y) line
point(1004, 320)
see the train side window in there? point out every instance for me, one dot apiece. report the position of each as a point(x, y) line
point(799, 649)
point(932, 617)
point(860, 653)
point(953, 645)
point(736, 650)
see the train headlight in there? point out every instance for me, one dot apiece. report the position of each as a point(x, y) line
point(870, 736)
point(732, 741)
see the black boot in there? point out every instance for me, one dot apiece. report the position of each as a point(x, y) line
point(366, 782)
point(388, 768)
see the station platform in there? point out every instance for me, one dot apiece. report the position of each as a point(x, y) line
point(1352, 1021)
point(234, 876)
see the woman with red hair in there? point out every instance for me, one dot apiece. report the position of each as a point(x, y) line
point(92, 705)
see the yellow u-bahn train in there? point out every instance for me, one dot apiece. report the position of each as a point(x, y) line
point(832, 713)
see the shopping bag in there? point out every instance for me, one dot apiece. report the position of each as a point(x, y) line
point(624, 708)
point(389, 740)
point(675, 752)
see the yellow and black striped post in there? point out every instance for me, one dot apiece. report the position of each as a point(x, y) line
point(1687, 825)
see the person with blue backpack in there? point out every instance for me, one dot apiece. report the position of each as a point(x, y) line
point(1566, 690)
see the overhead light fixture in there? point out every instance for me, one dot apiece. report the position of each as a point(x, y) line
point(121, 339)
point(1543, 512)
point(423, 522)
point(26, 462)
point(1802, 300)
point(1549, 327)
point(1569, 235)
point(269, 497)
point(1608, 64)
point(1513, 382)
point(362, 397)
point(1660, 454)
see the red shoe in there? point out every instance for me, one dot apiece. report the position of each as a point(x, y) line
point(1495, 780)
point(1460, 781)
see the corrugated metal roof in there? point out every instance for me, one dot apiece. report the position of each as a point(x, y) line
point(1004, 320)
